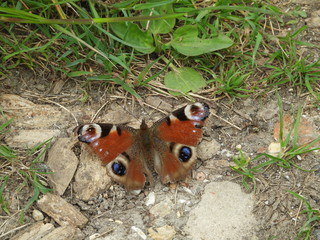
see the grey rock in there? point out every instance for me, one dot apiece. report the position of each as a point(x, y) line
point(91, 177)
point(63, 163)
point(61, 211)
point(223, 211)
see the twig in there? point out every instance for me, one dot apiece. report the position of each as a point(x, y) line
point(13, 230)
point(95, 115)
point(64, 108)
point(231, 124)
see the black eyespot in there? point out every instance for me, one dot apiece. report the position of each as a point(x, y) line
point(185, 154)
point(118, 169)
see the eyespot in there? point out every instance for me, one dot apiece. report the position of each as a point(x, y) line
point(185, 154)
point(89, 132)
point(118, 169)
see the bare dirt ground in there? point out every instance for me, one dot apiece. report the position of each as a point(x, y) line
point(210, 204)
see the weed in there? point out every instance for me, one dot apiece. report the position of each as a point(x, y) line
point(134, 29)
point(288, 66)
point(242, 167)
point(289, 151)
point(13, 169)
point(313, 217)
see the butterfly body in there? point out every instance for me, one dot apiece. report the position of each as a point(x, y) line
point(129, 154)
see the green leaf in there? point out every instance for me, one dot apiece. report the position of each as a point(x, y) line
point(186, 41)
point(184, 79)
point(133, 36)
point(159, 26)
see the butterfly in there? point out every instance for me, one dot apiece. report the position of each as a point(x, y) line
point(168, 147)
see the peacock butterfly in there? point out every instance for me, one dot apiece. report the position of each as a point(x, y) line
point(129, 154)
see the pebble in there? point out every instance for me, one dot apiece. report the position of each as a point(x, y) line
point(37, 215)
point(226, 153)
point(151, 199)
point(162, 209)
point(201, 176)
point(162, 233)
point(274, 148)
point(139, 232)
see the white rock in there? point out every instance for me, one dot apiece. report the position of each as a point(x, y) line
point(139, 232)
point(37, 215)
point(274, 148)
point(94, 236)
point(227, 153)
point(135, 192)
point(150, 199)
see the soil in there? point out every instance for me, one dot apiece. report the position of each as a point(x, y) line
point(268, 211)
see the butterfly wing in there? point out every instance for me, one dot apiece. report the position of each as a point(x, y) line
point(115, 146)
point(175, 140)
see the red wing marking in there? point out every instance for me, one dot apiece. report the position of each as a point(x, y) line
point(183, 132)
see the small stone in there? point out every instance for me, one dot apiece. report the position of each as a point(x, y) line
point(162, 209)
point(94, 236)
point(150, 199)
point(37, 215)
point(40, 87)
point(135, 192)
point(162, 233)
point(274, 148)
point(200, 176)
point(227, 153)
point(139, 232)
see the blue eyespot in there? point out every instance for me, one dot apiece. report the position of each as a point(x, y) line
point(185, 154)
point(118, 169)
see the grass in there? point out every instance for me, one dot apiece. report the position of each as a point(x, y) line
point(20, 167)
point(73, 37)
point(313, 216)
point(289, 151)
